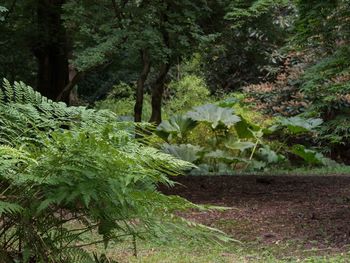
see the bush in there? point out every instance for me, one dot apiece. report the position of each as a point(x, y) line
point(283, 96)
point(121, 101)
point(66, 171)
point(180, 96)
point(186, 93)
point(327, 85)
point(220, 140)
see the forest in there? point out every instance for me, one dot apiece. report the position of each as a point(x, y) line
point(206, 131)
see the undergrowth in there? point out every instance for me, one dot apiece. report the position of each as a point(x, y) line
point(62, 164)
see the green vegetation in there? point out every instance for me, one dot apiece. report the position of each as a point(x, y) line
point(64, 164)
point(232, 143)
point(271, 254)
point(129, 94)
point(282, 252)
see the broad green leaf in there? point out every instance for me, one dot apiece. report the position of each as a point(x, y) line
point(245, 129)
point(270, 130)
point(238, 145)
point(201, 169)
point(178, 126)
point(256, 165)
point(228, 103)
point(310, 156)
point(214, 116)
point(269, 156)
point(186, 152)
point(298, 125)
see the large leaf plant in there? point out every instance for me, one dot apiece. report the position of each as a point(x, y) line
point(225, 141)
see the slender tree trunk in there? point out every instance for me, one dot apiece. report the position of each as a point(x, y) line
point(158, 87)
point(74, 77)
point(146, 61)
point(51, 50)
point(157, 94)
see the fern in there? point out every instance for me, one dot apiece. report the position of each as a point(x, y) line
point(65, 166)
point(41, 107)
point(6, 207)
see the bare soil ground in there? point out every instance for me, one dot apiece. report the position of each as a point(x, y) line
point(312, 211)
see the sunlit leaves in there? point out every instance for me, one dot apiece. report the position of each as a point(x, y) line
point(214, 116)
point(239, 145)
point(2, 11)
point(176, 126)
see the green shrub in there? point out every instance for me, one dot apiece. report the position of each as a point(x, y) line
point(67, 171)
point(326, 83)
point(186, 93)
point(181, 96)
point(218, 140)
point(121, 101)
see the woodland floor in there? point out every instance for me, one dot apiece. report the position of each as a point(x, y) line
point(313, 212)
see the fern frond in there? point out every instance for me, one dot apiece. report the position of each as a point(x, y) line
point(6, 207)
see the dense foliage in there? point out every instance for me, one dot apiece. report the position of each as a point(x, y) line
point(247, 48)
point(220, 141)
point(66, 171)
point(160, 87)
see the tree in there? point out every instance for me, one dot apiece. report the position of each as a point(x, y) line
point(146, 62)
point(34, 33)
point(249, 34)
point(321, 24)
point(51, 48)
point(155, 35)
point(322, 34)
point(16, 59)
point(182, 34)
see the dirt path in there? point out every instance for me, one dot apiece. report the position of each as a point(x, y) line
point(313, 211)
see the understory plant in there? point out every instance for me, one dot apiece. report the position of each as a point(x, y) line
point(180, 95)
point(218, 140)
point(314, 85)
point(327, 84)
point(68, 171)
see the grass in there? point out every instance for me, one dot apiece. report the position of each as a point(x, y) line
point(306, 171)
point(151, 252)
point(187, 251)
point(252, 249)
point(331, 170)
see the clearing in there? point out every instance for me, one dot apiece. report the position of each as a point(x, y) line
point(290, 215)
point(279, 218)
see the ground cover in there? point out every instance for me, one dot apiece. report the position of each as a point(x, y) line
point(279, 218)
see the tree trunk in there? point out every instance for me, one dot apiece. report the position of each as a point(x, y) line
point(158, 87)
point(157, 94)
point(51, 50)
point(65, 94)
point(146, 61)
